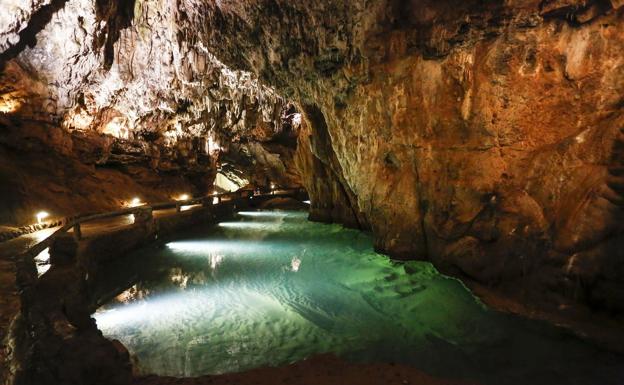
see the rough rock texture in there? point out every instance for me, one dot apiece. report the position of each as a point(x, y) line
point(134, 90)
point(483, 136)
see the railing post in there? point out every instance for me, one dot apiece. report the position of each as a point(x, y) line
point(143, 215)
point(207, 201)
point(77, 232)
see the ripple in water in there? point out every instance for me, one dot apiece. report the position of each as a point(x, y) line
point(271, 288)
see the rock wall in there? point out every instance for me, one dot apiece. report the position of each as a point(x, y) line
point(483, 136)
point(126, 100)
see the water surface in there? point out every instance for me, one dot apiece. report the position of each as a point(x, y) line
point(271, 288)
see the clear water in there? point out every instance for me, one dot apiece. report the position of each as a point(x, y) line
point(271, 288)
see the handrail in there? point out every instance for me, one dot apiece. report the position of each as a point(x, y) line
point(76, 221)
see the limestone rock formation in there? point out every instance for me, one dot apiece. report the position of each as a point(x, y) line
point(124, 94)
point(483, 136)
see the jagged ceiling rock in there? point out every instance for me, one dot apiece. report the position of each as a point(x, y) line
point(139, 73)
point(483, 136)
point(132, 66)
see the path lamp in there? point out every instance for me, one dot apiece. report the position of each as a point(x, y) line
point(41, 215)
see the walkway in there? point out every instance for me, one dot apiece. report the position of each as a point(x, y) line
point(15, 248)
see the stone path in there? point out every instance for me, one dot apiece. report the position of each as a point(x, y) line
point(10, 250)
point(9, 296)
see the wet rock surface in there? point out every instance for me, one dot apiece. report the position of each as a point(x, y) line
point(485, 137)
point(128, 88)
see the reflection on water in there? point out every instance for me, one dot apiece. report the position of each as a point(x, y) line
point(272, 288)
point(42, 262)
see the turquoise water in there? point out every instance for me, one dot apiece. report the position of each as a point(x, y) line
point(271, 288)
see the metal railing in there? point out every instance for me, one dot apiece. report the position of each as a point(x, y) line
point(144, 212)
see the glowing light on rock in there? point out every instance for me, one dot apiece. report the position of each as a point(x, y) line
point(212, 146)
point(172, 136)
point(8, 106)
point(41, 215)
point(307, 202)
point(180, 279)
point(117, 128)
point(78, 121)
point(135, 202)
point(183, 197)
point(296, 121)
point(132, 294)
point(230, 183)
point(42, 261)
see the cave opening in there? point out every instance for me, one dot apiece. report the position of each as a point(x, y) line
point(329, 192)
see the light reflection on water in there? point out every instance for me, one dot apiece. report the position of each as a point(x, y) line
point(272, 288)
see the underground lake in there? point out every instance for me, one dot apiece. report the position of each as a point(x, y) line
point(268, 288)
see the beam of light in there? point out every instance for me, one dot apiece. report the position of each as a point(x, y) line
point(307, 202)
point(210, 248)
point(207, 247)
point(250, 225)
point(167, 311)
point(263, 214)
point(41, 215)
point(195, 246)
point(183, 197)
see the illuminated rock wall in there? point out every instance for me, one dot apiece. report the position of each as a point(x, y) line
point(483, 136)
point(143, 105)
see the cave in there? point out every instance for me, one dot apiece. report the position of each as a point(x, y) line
point(311, 192)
